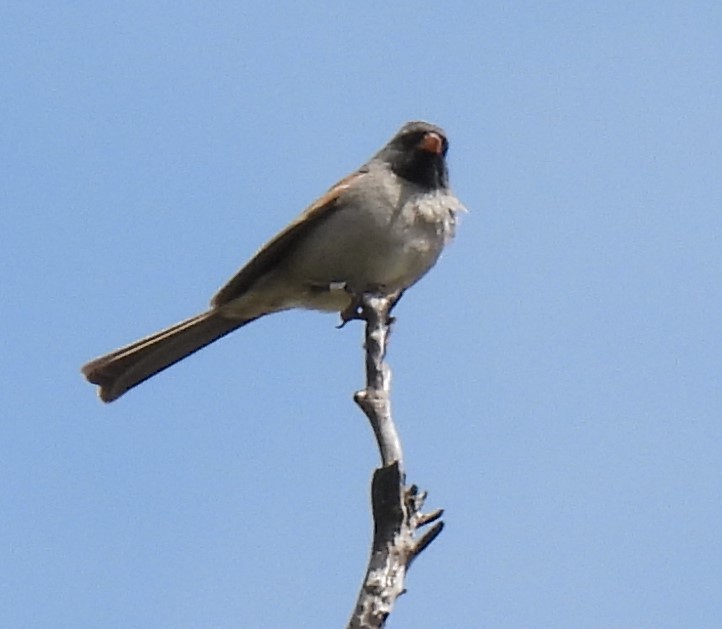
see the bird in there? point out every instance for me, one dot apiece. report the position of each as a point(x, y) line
point(380, 229)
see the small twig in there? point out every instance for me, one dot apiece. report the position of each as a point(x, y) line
point(396, 508)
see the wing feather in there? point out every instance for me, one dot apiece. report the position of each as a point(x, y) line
point(276, 249)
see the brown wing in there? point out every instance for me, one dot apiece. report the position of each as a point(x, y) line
point(277, 248)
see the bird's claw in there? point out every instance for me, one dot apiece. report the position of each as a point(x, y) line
point(352, 312)
point(355, 309)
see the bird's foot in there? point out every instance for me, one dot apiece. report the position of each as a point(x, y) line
point(355, 310)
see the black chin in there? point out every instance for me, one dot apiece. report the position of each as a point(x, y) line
point(427, 170)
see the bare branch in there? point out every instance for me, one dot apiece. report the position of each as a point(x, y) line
point(396, 508)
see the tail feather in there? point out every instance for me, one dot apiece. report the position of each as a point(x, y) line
point(128, 366)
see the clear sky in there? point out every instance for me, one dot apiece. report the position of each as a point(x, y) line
point(557, 377)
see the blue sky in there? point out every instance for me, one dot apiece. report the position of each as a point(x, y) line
point(556, 377)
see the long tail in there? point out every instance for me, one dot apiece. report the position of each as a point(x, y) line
point(128, 366)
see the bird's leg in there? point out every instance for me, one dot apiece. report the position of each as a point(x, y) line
point(354, 310)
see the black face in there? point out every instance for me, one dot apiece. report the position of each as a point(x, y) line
point(410, 157)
